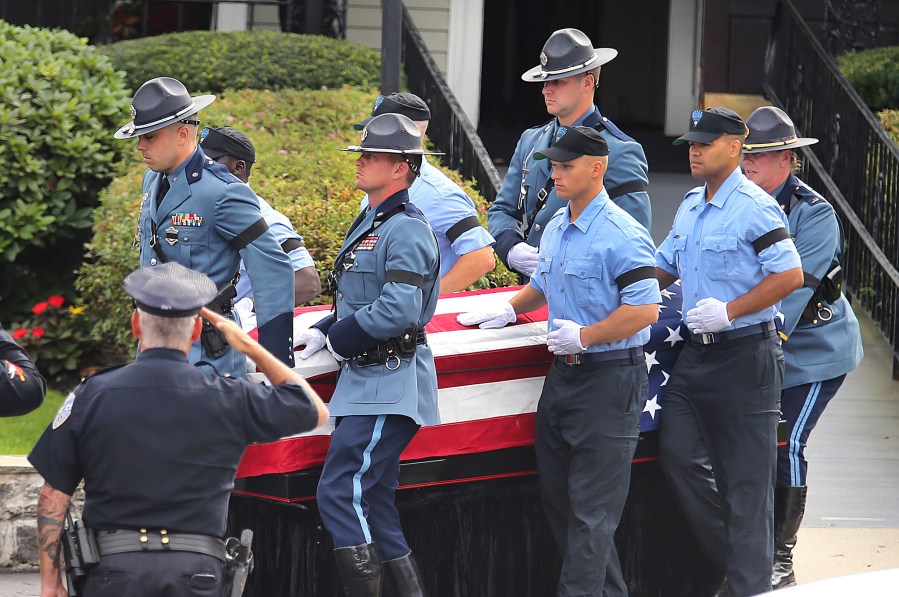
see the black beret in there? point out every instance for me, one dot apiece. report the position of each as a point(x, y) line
point(225, 140)
point(170, 290)
point(707, 125)
point(572, 142)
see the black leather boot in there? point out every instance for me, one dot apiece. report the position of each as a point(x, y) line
point(789, 506)
point(360, 570)
point(402, 577)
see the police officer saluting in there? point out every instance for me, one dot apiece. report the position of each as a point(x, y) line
point(569, 71)
point(597, 274)
point(194, 212)
point(730, 248)
point(822, 341)
point(385, 284)
point(157, 443)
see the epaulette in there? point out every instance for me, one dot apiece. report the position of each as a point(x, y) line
point(220, 171)
point(805, 193)
point(615, 131)
point(413, 212)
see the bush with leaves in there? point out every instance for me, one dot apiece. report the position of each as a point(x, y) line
point(60, 101)
point(212, 61)
point(298, 170)
point(874, 74)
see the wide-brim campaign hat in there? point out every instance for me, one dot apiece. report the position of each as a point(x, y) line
point(572, 142)
point(158, 103)
point(707, 125)
point(407, 104)
point(391, 133)
point(771, 129)
point(567, 52)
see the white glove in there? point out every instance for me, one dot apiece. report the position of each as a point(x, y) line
point(313, 339)
point(244, 308)
point(709, 315)
point(337, 356)
point(566, 338)
point(523, 258)
point(495, 317)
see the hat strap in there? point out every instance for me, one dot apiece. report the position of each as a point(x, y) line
point(772, 144)
point(546, 73)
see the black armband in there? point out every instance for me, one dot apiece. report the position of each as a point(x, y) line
point(255, 230)
point(769, 238)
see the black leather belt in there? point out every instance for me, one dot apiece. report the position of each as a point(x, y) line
point(584, 358)
point(389, 352)
point(124, 541)
point(758, 329)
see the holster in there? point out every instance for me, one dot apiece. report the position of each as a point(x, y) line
point(79, 549)
point(211, 338)
point(828, 291)
point(393, 349)
point(239, 563)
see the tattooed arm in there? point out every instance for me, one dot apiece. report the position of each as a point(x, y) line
point(51, 515)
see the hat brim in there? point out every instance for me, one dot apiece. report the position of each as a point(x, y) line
point(799, 142)
point(360, 149)
point(129, 130)
point(362, 123)
point(538, 75)
point(697, 137)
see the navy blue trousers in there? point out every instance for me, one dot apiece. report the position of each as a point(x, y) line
point(801, 407)
point(588, 424)
point(156, 574)
point(357, 490)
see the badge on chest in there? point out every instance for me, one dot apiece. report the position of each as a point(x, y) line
point(368, 243)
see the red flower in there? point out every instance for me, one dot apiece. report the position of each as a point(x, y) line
point(56, 301)
point(37, 332)
point(19, 333)
point(39, 308)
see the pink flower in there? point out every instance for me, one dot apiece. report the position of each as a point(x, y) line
point(282, 151)
point(39, 308)
point(285, 120)
point(19, 333)
point(259, 114)
point(37, 332)
point(231, 119)
point(249, 125)
point(332, 136)
point(56, 300)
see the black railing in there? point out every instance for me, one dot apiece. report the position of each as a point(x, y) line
point(449, 129)
point(856, 165)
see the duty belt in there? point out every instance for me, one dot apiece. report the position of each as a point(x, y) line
point(124, 541)
point(584, 358)
point(389, 352)
point(766, 329)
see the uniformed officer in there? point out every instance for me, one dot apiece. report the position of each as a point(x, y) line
point(569, 71)
point(597, 274)
point(730, 248)
point(466, 248)
point(22, 388)
point(822, 341)
point(385, 284)
point(235, 150)
point(193, 211)
point(157, 443)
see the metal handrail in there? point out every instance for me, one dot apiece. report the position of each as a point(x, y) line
point(856, 165)
point(449, 129)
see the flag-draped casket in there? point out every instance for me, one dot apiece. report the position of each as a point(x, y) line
point(468, 493)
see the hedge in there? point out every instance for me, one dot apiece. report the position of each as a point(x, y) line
point(298, 170)
point(60, 100)
point(212, 61)
point(874, 74)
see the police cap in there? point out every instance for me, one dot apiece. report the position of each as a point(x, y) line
point(390, 133)
point(770, 129)
point(158, 103)
point(170, 290)
point(567, 52)
point(225, 140)
point(572, 142)
point(407, 104)
point(707, 125)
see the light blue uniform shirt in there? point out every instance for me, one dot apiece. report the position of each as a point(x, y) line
point(580, 260)
point(283, 230)
point(710, 245)
point(444, 204)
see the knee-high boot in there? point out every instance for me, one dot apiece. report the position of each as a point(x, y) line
point(789, 507)
point(360, 570)
point(402, 577)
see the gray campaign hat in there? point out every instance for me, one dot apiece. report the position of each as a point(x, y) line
point(226, 140)
point(770, 129)
point(170, 290)
point(709, 124)
point(572, 142)
point(407, 104)
point(390, 133)
point(158, 103)
point(567, 52)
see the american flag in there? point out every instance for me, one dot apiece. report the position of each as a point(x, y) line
point(489, 382)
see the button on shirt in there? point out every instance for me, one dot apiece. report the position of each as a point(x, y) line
point(710, 245)
point(579, 262)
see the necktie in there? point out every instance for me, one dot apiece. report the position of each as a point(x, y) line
point(163, 189)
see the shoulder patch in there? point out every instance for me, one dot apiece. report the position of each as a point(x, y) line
point(64, 411)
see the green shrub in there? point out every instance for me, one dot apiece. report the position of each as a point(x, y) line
point(874, 74)
point(60, 101)
point(298, 170)
point(890, 121)
point(213, 61)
